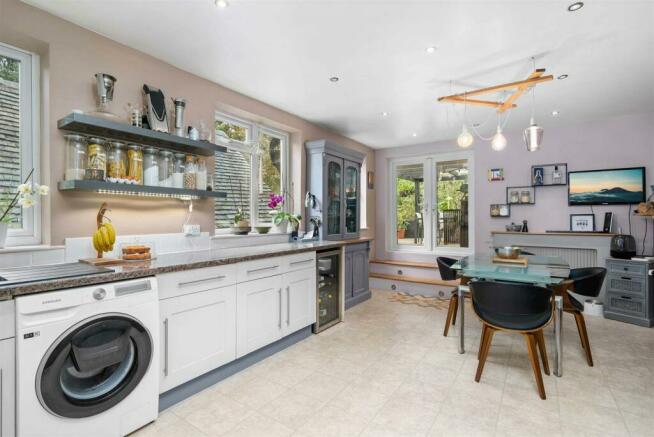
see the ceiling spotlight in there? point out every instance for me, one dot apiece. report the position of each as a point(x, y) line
point(499, 141)
point(465, 139)
point(430, 50)
point(575, 6)
point(562, 76)
point(221, 3)
point(555, 113)
point(476, 124)
point(384, 114)
point(414, 135)
point(334, 79)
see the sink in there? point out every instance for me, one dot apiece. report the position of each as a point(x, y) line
point(23, 275)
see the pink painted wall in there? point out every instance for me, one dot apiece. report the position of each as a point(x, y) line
point(624, 141)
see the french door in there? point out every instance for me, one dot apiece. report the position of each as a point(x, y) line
point(431, 198)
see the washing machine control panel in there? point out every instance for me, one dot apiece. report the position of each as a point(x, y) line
point(99, 293)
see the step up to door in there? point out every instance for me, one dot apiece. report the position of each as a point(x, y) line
point(415, 279)
point(416, 264)
point(412, 285)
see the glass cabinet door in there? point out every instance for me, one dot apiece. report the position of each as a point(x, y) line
point(351, 192)
point(334, 195)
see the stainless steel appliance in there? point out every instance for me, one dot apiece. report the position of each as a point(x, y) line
point(623, 246)
point(156, 108)
point(329, 293)
point(104, 89)
point(21, 275)
point(180, 104)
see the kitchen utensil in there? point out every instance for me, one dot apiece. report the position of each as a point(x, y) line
point(104, 87)
point(508, 252)
point(156, 108)
point(180, 104)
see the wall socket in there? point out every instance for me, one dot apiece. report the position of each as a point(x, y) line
point(191, 230)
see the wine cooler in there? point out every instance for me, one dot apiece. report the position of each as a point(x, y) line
point(328, 299)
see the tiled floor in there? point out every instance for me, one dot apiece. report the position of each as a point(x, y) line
point(388, 371)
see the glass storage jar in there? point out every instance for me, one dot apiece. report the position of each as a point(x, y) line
point(201, 174)
point(514, 197)
point(75, 157)
point(135, 164)
point(525, 196)
point(166, 168)
point(190, 176)
point(151, 167)
point(178, 170)
point(117, 162)
point(96, 159)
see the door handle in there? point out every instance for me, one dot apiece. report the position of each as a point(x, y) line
point(165, 347)
point(279, 325)
point(626, 278)
point(288, 305)
point(198, 281)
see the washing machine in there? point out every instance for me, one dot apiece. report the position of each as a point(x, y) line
point(87, 360)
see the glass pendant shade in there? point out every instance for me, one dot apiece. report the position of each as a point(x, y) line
point(498, 143)
point(533, 136)
point(465, 138)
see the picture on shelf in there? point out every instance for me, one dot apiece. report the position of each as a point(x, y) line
point(500, 210)
point(582, 222)
point(537, 176)
point(495, 174)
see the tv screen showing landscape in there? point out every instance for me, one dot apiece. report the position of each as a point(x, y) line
point(607, 187)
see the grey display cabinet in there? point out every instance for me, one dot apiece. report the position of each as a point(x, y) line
point(357, 288)
point(629, 291)
point(334, 178)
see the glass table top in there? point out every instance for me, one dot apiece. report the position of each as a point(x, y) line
point(540, 269)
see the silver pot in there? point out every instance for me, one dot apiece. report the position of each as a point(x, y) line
point(508, 252)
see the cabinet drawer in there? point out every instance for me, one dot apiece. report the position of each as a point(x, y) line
point(192, 281)
point(299, 261)
point(636, 285)
point(639, 269)
point(261, 268)
point(625, 304)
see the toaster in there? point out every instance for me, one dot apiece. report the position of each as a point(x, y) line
point(623, 246)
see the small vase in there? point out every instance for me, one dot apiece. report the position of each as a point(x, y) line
point(281, 228)
point(3, 234)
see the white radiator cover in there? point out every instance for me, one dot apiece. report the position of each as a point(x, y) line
point(576, 257)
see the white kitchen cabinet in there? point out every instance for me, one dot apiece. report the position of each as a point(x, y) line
point(7, 388)
point(198, 334)
point(258, 313)
point(299, 300)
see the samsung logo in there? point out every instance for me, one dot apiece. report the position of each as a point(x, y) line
point(45, 302)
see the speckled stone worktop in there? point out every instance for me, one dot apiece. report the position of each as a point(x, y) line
point(174, 262)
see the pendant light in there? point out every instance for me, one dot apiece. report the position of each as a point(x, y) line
point(533, 135)
point(498, 143)
point(465, 138)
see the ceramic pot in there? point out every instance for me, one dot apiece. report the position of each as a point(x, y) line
point(3, 234)
point(281, 228)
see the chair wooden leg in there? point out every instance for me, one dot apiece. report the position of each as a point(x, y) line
point(456, 309)
point(533, 357)
point(451, 312)
point(484, 328)
point(540, 339)
point(583, 333)
point(484, 348)
point(579, 329)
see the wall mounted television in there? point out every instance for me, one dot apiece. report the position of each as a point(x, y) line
point(617, 186)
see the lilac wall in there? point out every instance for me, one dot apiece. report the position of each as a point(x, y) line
point(625, 141)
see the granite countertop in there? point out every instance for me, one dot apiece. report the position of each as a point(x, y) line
point(174, 262)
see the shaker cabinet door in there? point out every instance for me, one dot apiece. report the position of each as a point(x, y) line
point(360, 272)
point(258, 313)
point(299, 300)
point(198, 334)
point(333, 195)
point(352, 198)
point(7, 384)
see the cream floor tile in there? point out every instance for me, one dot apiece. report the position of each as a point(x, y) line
point(332, 422)
point(518, 423)
point(634, 403)
point(291, 408)
point(455, 421)
point(360, 400)
point(257, 392)
point(320, 386)
point(259, 425)
point(219, 416)
point(591, 416)
point(639, 426)
point(405, 415)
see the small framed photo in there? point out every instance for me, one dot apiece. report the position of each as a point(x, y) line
point(537, 176)
point(582, 222)
point(495, 174)
point(500, 210)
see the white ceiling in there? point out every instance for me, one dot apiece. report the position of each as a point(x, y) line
point(283, 53)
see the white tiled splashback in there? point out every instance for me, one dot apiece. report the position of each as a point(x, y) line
point(82, 247)
point(31, 256)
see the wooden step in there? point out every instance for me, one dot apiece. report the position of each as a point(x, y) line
point(416, 264)
point(414, 279)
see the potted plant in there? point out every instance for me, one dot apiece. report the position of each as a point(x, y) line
point(281, 218)
point(401, 230)
point(241, 223)
point(26, 196)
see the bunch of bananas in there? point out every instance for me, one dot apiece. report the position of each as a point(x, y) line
point(104, 238)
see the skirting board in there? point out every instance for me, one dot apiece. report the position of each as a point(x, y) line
point(188, 389)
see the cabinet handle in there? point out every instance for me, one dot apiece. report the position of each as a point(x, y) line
point(198, 281)
point(262, 269)
point(279, 325)
point(294, 263)
point(626, 278)
point(288, 305)
point(165, 347)
point(626, 297)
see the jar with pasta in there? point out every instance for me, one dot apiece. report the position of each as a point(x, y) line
point(135, 164)
point(117, 162)
point(96, 155)
point(190, 175)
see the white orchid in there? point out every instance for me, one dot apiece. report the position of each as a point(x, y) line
point(24, 189)
point(26, 202)
point(42, 190)
point(26, 196)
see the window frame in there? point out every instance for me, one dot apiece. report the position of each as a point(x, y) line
point(30, 233)
point(254, 130)
point(429, 163)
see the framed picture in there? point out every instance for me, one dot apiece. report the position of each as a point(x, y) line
point(537, 176)
point(582, 222)
point(500, 210)
point(495, 174)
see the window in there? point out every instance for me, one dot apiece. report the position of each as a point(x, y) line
point(431, 197)
point(254, 166)
point(18, 138)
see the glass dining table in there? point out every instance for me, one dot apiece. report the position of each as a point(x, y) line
point(545, 271)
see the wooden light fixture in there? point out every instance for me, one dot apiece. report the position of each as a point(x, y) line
point(520, 88)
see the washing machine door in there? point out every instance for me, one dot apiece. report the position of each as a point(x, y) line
point(93, 365)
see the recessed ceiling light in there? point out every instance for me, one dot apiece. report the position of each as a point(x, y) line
point(563, 76)
point(555, 113)
point(221, 3)
point(414, 135)
point(476, 124)
point(430, 49)
point(334, 79)
point(384, 114)
point(575, 6)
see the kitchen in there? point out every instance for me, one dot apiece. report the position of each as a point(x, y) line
point(192, 249)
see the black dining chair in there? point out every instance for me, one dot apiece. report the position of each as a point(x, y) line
point(524, 252)
point(517, 308)
point(449, 274)
point(587, 282)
